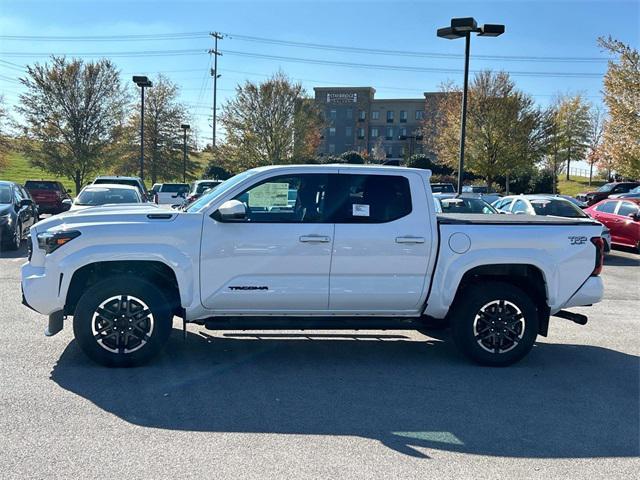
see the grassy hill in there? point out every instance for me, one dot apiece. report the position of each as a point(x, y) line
point(19, 170)
point(577, 185)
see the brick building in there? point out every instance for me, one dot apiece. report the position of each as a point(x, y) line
point(355, 120)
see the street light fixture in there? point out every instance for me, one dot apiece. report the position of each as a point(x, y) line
point(463, 28)
point(142, 82)
point(185, 127)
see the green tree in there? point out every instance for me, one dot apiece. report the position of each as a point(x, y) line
point(163, 137)
point(73, 111)
point(5, 143)
point(573, 124)
point(622, 97)
point(504, 128)
point(270, 123)
point(352, 157)
point(216, 172)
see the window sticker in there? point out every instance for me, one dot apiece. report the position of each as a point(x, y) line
point(360, 210)
point(269, 195)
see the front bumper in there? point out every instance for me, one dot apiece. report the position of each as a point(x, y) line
point(589, 293)
point(40, 289)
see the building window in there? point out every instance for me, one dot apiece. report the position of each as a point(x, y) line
point(374, 133)
point(348, 132)
point(332, 132)
point(332, 148)
point(362, 116)
point(361, 133)
point(403, 116)
point(375, 115)
point(389, 116)
point(389, 133)
point(389, 150)
point(333, 114)
point(403, 133)
point(419, 114)
point(349, 113)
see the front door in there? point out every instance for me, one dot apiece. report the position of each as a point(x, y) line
point(383, 243)
point(275, 260)
point(627, 226)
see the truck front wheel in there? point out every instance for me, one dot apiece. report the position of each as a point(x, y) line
point(494, 323)
point(122, 321)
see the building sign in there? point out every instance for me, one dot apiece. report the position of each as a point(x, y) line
point(342, 97)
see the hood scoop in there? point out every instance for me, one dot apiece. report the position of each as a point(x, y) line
point(159, 216)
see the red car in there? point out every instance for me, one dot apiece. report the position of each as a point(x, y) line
point(49, 195)
point(622, 217)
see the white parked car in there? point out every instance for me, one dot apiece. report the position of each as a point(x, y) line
point(106, 194)
point(171, 193)
point(332, 246)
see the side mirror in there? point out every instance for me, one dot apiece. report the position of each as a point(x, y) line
point(26, 202)
point(635, 216)
point(66, 204)
point(231, 210)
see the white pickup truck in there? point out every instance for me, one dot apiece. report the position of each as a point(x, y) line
point(310, 247)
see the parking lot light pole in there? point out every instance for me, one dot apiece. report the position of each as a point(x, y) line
point(142, 82)
point(463, 28)
point(185, 127)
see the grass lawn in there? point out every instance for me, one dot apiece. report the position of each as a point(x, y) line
point(576, 185)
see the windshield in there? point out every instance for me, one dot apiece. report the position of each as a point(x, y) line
point(5, 194)
point(607, 187)
point(464, 205)
point(557, 208)
point(216, 192)
point(635, 190)
point(442, 188)
point(103, 196)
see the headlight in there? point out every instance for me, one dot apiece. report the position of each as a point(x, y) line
point(50, 242)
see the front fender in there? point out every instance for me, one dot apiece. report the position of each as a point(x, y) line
point(175, 259)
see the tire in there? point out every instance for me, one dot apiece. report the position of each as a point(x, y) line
point(15, 241)
point(481, 340)
point(110, 324)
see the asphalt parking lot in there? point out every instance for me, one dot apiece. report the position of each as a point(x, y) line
point(363, 404)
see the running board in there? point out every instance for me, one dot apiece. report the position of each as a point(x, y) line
point(312, 323)
point(574, 317)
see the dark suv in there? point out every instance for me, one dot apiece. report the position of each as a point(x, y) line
point(17, 214)
point(48, 195)
point(606, 191)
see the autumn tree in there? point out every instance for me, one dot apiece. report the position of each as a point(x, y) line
point(622, 97)
point(595, 151)
point(73, 111)
point(504, 134)
point(163, 138)
point(273, 122)
point(573, 125)
point(378, 153)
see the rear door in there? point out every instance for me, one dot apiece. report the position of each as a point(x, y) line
point(383, 243)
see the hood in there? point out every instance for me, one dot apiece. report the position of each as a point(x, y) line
point(123, 213)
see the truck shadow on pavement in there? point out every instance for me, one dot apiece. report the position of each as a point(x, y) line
point(562, 401)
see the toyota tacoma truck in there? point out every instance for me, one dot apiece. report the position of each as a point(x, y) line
point(310, 247)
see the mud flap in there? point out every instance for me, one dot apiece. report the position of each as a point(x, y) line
point(56, 322)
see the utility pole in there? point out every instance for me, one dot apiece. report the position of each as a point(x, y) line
point(214, 73)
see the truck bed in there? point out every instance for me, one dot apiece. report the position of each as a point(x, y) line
point(492, 219)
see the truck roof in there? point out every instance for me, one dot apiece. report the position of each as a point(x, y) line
point(345, 166)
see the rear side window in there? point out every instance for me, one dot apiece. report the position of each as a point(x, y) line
point(520, 206)
point(370, 198)
point(627, 208)
point(607, 207)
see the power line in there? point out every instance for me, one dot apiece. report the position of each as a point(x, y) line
point(141, 53)
point(106, 38)
point(405, 68)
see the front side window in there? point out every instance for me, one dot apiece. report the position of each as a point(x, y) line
point(520, 206)
point(370, 198)
point(287, 199)
point(627, 208)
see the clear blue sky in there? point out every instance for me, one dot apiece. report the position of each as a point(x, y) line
point(566, 29)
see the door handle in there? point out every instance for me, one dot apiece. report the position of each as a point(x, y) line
point(409, 239)
point(315, 239)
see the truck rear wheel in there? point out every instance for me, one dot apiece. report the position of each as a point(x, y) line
point(494, 323)
point(122, 321)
